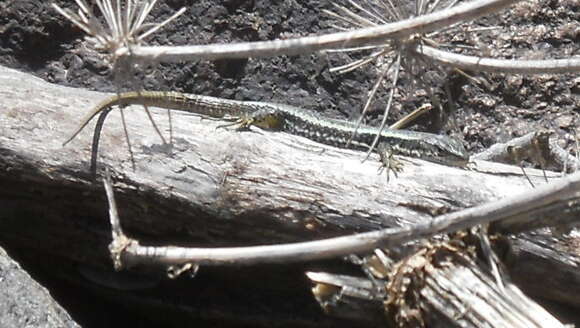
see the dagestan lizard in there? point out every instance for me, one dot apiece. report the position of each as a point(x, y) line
point(431, 147)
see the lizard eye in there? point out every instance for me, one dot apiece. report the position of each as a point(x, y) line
point(267, 122)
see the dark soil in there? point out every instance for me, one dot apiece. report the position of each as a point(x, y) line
point(35, 39)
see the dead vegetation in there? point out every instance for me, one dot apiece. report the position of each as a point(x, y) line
point(395, 49)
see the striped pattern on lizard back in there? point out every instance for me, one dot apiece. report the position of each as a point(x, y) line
point(334, 132)
point(294, 120)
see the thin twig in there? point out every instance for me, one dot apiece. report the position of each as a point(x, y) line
point(361, 37)
point(411, 117)
point(148, 112)
point(505, 208)
point(371, 97)
point(389, 103)
point(534, 146)
point(359, 63)
point(95, 146)
point(120, 240)
point(516, 66)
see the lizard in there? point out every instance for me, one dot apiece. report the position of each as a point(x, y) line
point(294, 120)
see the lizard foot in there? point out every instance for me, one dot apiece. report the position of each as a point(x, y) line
point(388, 161)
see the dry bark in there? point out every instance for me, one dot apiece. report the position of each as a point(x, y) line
point(211, 187)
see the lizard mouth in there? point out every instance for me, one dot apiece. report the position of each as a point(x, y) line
point(448, 160)
point(455, 161)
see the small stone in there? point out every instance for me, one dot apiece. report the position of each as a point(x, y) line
point(564, 121)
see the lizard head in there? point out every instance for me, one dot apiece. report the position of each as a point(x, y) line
point(266, 118)
point(434, 148)
point(445, 150)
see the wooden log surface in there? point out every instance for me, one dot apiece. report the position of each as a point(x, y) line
point(210, 187)
point(258, 186)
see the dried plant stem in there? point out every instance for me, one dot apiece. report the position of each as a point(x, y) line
point(371, 95)
point(361, 37)
point(389, 103)
point(131, 252)
point(515, 66)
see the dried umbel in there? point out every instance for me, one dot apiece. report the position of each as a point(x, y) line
point(124, 22)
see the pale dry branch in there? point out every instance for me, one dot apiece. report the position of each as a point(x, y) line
point(536, 146)
point(361, 37)
point(561, 190)
point(514, 66)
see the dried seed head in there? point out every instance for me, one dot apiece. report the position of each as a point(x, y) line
point(123, 23)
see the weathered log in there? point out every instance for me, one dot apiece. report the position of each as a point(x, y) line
point(210, 187)
point(222, 176)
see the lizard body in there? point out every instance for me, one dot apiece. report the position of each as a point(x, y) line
point(294, 120)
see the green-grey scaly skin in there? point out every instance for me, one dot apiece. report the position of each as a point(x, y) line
point(298, 121)
point(309, 124)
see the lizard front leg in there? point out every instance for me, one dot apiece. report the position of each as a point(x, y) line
point(388, 160)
